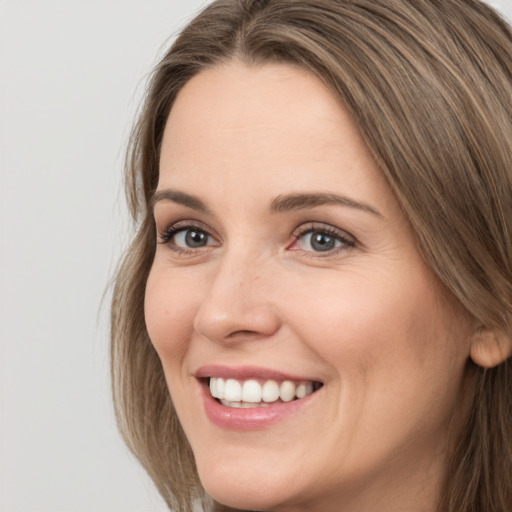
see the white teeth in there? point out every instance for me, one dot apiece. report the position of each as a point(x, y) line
point(270, 391)
point(221, 384)
point(213, 387)
point(251, 391)
point(234, 393)
point(287, 391)
point(241, 405)
point(304, 390)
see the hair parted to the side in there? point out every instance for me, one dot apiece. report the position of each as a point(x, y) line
point(429, 82)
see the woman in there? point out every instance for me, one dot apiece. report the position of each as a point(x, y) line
point(315, 312)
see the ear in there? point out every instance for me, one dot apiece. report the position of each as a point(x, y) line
point(490, 347)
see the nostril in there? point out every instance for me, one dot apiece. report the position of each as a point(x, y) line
point(242, 332)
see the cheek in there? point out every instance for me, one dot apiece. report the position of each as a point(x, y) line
point(376, 326)
point(393, 356)
point(346, 314)
point(169, 314)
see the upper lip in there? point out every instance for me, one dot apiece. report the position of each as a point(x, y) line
point(248, 372)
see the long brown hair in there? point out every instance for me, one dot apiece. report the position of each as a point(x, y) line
point(429, 82)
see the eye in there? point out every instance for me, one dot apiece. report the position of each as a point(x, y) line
point(187, 238)
point(191, 238)
point(321, 239)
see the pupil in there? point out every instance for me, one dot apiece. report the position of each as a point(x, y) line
point(322, 242)
point(196, 238)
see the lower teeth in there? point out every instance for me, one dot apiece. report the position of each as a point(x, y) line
point(245, 405)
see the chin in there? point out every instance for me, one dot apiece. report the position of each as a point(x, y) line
point(244, 491)
point(242, 498)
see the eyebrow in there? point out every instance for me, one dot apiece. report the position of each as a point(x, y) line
point(282, 203)
point(300, 201)
point(181, 198)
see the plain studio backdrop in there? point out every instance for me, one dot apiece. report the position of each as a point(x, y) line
point(71, 76)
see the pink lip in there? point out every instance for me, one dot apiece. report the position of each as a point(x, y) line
point(249, 419)
point(246, 372)
point(257, 418)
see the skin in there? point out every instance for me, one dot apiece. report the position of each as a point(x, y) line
point(368, 319)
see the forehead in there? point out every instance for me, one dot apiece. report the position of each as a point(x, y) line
point(273, 124)
point(237, 99)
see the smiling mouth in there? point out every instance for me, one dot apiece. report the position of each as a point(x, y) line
point(253, 393)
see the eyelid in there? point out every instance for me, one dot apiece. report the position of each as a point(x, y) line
point(348, 241)
point(325, 227)
point(173, 228)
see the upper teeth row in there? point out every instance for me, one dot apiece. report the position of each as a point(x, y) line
point(252, 391)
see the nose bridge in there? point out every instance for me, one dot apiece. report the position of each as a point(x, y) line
point(236, 303)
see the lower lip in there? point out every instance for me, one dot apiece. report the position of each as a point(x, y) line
point(255, 418)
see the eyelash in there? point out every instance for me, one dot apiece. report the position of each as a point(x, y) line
point(347, 241)
point(179, 227)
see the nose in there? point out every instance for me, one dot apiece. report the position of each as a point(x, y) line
point(238, 303)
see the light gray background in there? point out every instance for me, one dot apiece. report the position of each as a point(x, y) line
point(71, 75)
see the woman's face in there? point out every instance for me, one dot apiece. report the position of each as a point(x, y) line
point(285, 265)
